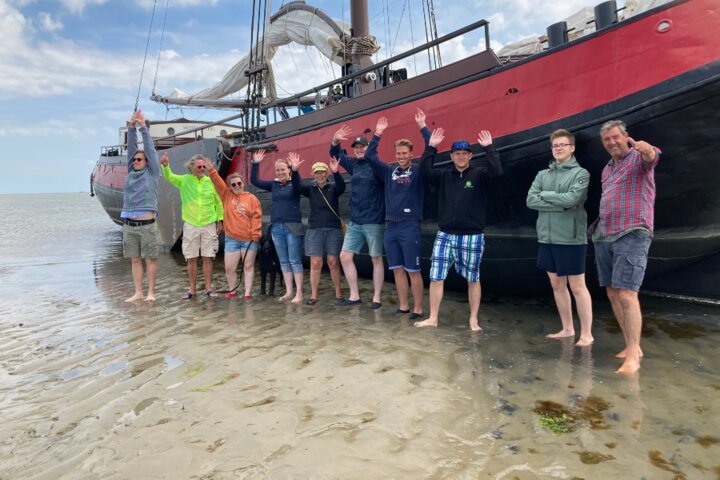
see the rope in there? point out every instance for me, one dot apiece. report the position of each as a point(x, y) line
point(162, 37)
point(147, 46)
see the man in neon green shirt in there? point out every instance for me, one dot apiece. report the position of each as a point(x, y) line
point(202, 214)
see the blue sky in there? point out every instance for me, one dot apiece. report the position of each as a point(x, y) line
point(69, 69)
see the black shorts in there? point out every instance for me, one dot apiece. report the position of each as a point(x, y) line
point(562, 260)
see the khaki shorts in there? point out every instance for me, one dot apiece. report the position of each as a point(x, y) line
point(199, 241)
point(142, 241)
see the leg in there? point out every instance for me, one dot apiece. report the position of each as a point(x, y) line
point(583, 302)
point(295, 255)
point(151, 266)
point(436, 294)
point(249, 271)
point(231, 263)
point(137, 274)
point(207, 272)
point(378, 277)
point(316, 264)
point(288, 280)
point(280, 238)
point(346, 259)
point(192, 274)
point(474, 294)
point(613, 296)
point(632, 316)
point(417, 287)
point(564, 305)
point(401, 286)
point(334, 266)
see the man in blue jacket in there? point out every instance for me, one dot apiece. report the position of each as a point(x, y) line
point(367, 206)
point(141, 237)
point(403, 214)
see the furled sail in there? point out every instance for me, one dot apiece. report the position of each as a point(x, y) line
point(302, 25)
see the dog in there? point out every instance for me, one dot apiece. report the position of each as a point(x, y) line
point(268, 262)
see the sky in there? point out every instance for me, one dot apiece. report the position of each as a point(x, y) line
point(70, 69)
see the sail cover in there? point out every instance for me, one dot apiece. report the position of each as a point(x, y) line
point(304, 27)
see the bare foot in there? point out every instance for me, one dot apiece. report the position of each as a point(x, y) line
point(584, 342)
point(623, 354)
point(629, 367)
point(287, 296)
point(137, 296)
point(150, 298)
point(475, 327)
point(426, 323)
point(297, 300)
point(560, 334)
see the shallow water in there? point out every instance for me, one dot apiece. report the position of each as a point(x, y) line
point(93, 387)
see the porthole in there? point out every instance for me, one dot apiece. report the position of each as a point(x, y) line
point(171, 131)
point(663, 26)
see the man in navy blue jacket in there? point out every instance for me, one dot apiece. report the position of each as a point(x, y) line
point(403, 214)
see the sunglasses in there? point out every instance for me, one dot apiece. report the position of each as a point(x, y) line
point(138, 159)
point(460, 145)
point(200, 167)
point(236, 184)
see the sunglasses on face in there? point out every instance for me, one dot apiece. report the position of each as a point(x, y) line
point(236, 184)
point(200, 167)
point(138, 159)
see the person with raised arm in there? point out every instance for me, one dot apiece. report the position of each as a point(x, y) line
point(141, 237)
point(403, 214)
point(324, 233)
point(462, 202)
point(367, 214)
point(243, 228)
point(202, 214)
point(285, 218)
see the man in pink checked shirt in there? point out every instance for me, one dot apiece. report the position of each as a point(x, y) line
point(623, 231)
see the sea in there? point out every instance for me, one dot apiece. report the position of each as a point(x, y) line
point(92, 387)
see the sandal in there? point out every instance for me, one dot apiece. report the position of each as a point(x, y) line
point(231, 295)
point(188, 296)
point(211, 294)
point(247, 297)
point(312, 301)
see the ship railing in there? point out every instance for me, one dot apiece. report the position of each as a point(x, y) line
point(113, 150)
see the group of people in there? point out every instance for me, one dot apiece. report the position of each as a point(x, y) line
point(386, 206)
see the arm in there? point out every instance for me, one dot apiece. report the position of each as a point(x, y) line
point(255, 180)
point(218, 182)
point(255, 219)
point(298, 185)
point(494, 168)
point(428, 157)
point(575, 194)
point(153, 163)
point(173, 179)
point(650, 155)
point(219, 210)
point(131, 147)
point(339, 184)
point(336, 152)
point(379, 167)
point(534, 201)
point(424, 131)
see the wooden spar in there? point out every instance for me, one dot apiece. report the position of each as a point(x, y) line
point(360, 28)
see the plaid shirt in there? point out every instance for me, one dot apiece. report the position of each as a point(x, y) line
point(628, 194)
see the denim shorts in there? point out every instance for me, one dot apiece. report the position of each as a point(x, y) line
point(323, 241)
point(357, 235)
point(621, 264)
point(562, 260)
point(402, 245)
point(234, 245)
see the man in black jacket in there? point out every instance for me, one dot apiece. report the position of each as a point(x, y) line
point(462, 202)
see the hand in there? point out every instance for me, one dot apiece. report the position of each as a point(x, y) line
point(342, 134)
point(139, 119)
point(165, 160)
point(484, 138)
point(333, 164)
point(219, 227)
point(294, 161)
point(258, 156)
point(436, 137)
point(382, 124)
point(646, 150)
point(420, 118)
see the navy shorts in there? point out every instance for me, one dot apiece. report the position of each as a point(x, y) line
point(562, 260)
point(402, 245)
point(621, 264)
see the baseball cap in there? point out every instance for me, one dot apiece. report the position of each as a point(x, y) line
point(361, 141)
point(460, 145)
point(319, 167)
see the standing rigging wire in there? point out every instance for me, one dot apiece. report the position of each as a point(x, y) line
point(427, 35)
point(412, 35)
point(147, 46)
point(162, 37)
point(402, 14)
point(433, 26)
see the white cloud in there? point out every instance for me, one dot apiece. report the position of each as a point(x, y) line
point(48, 23)
point(148, 4)
point(78, 6)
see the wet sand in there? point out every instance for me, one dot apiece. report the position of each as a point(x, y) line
point(93, 387)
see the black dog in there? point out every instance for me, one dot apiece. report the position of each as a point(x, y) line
point(269, 263)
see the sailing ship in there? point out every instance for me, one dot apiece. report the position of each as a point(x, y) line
point(657, 68)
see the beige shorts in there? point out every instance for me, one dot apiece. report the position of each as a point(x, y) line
point(199, 241)
point(141, 241)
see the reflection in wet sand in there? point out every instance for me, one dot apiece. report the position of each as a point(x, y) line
point(93, 387)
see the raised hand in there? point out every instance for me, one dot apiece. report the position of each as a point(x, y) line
point(646, 150)
point(381, 125)
point(294, 161)
point(436, 137)
point(333, 164)
point(484, 138)
point(420, 118)
point(258, 156)
point(139, 118)
point(165, 160)
point(342, 134)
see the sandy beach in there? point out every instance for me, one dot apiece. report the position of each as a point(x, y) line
point(94, 387)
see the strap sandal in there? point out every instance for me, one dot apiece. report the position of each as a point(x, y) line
point(211, 294)
point(311, 301)
point(230, 295)
point(188, 296)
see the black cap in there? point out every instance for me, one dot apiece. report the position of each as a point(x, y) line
point(361, 141)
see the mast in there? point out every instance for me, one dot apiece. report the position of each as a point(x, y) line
point(360, 29)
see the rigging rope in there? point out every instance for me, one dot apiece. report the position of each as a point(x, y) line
point(162, 37)
point(147, 45)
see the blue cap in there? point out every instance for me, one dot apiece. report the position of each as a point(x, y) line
point(460, 145)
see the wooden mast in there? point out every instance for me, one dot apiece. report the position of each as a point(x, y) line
point(359, 24)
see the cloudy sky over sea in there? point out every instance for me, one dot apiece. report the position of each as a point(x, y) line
point(70, 69)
